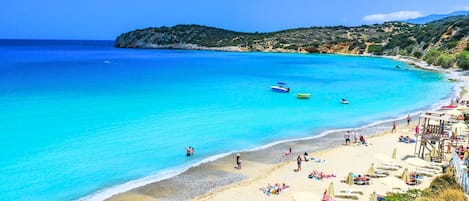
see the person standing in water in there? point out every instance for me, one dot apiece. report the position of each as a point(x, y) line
point(188, 151)
point(408, 119)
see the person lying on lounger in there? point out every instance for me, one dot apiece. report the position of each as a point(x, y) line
point(406, 139)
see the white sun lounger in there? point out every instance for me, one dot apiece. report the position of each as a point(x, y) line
point(346, 196)
point(352, 191)
point(384, 167)
point(392, 165)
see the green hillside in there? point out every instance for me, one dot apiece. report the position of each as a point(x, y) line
point(443, 42)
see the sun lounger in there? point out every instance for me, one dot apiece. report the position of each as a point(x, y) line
point(346, 196)
point(391, 168)
point(351, 191)
point(433, 171)
point(424, 173)
point(378, 175)
point(392, 165)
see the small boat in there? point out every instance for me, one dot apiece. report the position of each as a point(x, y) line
point(280, 89)
point(344, 101)
point(303, 95)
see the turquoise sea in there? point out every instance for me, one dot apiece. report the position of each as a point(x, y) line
point(78, 117)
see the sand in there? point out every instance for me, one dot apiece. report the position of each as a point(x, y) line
point(340, 161)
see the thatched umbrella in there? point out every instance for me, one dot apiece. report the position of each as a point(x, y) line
point(427, 157)
point(434, 153)
point(349, 179)
point(405, 175)
point(371, 170)
point(373, 196)
point(330, 190)
point(394, 153)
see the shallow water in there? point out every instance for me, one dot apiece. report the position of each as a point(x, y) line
point(80, 116)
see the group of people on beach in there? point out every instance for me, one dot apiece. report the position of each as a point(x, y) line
point(319, 175)
point(275, 189)
point(360, 139)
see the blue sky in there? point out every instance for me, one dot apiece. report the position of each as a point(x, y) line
point(106, 19)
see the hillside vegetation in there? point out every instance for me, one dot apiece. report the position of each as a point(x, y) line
point(442, 42)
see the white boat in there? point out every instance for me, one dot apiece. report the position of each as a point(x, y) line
point(344, 101)
point(280, 89)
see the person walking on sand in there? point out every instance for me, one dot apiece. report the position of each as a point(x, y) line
point(408, 119)
point(394, 129)
point(347, 137)
point(238, 161)
point(298, 162)
point(355, 136)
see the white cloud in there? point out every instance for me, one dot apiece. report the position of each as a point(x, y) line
point(399, 15)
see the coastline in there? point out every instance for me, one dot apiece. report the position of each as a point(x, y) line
point(220, 171)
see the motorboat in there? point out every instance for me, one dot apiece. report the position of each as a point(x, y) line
point(303, 95)
point(344, 101)
point(280, 87)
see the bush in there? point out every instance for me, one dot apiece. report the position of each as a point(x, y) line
point(431, 56)
point(442, 188)
point(451, 194)
point(462, 59)
point(417, 54)
point(445, 60)
point(376, 49)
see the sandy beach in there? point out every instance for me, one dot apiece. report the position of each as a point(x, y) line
point(220, 180)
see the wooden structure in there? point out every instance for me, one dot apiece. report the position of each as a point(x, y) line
point(433, 136)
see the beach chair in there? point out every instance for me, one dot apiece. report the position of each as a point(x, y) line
point(379, 174)
point(392, 164)
point(351, 191)
point(386, 167)
point(346, 196)
point(424, 173)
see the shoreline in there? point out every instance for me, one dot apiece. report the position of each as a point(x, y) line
point(210, 165)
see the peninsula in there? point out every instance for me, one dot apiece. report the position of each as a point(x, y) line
point(442, 42)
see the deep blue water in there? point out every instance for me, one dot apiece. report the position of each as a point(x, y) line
point(81, 116)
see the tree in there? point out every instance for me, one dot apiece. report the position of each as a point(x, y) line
point(376, 49)
point(431, 56)
point(418, 54)
point(462, 59)
point(444, 60)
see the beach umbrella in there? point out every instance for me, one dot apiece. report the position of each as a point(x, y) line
point(349, 179)
point(330, 190)
point(394, 153)
point(405, 175)
point(373, 196)
point(371, 170)
point(434, 153)
point(427, 157)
